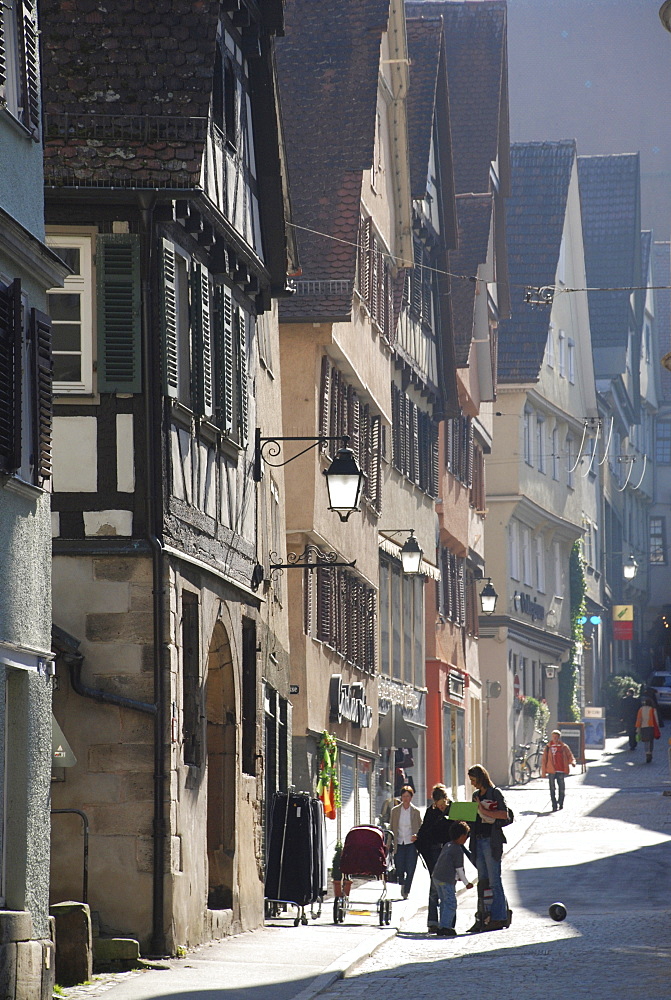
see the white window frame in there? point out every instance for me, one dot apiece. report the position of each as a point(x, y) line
point(514, 540)
point(540, 564)
point(571, 361)
point(540, 442)
point(83, 285)
point(526, 557)
point(555, 453)
point(562, 354)
point(528, 444)
point(570, 462)
point(550, 348)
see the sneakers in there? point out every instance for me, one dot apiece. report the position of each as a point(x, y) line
point(476, 928)
point(496, 925)
point(446, 932)
point(433, 929)
point(510, 918)
point(404, 894)
point(648, 758)
point(555, 807)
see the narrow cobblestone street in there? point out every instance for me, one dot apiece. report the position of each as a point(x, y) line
point(606, 856)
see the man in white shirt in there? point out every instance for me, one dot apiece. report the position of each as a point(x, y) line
point(405, 821)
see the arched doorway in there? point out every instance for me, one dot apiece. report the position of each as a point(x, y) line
point(221, 771)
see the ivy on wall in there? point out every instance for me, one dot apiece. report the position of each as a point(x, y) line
point(568, 676)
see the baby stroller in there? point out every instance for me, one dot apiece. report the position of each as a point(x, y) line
point(366, 854)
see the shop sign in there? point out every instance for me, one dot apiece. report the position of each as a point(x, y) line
point(623, 621)
point(523, 604)
point(348, 701)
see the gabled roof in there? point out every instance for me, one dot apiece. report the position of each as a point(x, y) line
point(661, 278)
point(610, 196)
point(328, 66)
point(476, 48)
point(425, 39)
point(535, 213)
point(474, 214)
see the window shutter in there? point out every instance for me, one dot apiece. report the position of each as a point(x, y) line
point(375, 473)
point(30, 67)
point(308, 625)
point(11, 343)
point(118, 288)
point(242, 386)
point(353, 422)
point(414, 443)
point(395, 422)
point(201, 365)
point(225, 359)
point(40, 329)
point(324, 582)
point(324, 398)
point(3, 59)
point(433, 489)
point(168, 292)
point(364, 259)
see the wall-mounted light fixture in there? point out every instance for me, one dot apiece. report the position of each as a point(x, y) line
point(551, 670)
point(411, 551)
point(630, 568)
point(488, 598)
point(665, 14)
point(344, 478)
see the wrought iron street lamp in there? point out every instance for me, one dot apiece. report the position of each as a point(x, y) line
point(344, 478)
point(411, 550)
point(488, 598)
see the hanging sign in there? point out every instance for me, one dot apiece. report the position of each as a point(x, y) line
point(348, 701)
point(623, 621)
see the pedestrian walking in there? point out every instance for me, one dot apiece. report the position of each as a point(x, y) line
point(556, 764)
point(647, 725)
point(487, 840)
point(449, 868)
point(433, 834)
point(405, 821)
point(629, 706)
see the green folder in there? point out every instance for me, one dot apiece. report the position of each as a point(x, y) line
point(464, 810)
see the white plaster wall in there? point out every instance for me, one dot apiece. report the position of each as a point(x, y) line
point(75, 455)
point(125, 459)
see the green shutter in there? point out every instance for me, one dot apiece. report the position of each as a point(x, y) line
point(168, 295)
point(40, 326)
point(119, 326)
point(201, 366)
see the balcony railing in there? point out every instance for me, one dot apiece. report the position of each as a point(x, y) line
point(129, 128)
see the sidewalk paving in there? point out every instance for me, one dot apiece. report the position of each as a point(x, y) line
point(297, 963)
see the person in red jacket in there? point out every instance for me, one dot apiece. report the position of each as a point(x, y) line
point(557, 761)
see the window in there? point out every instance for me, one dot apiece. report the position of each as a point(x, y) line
point(555, 453)
point(402, 618)
point(414, 442)
point(419, 284)
point(374, 280)
point(540, 564)
point(191, 708)
point(540, 442)
point(562, 354)
point(452, 588)
point(459, 449)
point(249, 696)
point(663, 442)
point(478, 490)
point(71, 311)
point(526, 556)
point(550, 348)
point(657, 541)
point(19, 69)
point(559, 576)
point(341, 612)
point(528, 446)
point(571, 362)
point(514, 542)
point(342, 412)
point(25, 388)
point(472, 604)
point(570, 462)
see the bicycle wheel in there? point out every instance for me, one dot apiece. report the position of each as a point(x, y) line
point(519, 772)
point(535, 762)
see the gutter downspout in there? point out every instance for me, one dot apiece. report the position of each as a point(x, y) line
point(154, 515)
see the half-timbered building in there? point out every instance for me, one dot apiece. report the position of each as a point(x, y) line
point(165, 196)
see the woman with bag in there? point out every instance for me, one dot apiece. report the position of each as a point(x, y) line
point(433, 833)
point(647, 727)
point(487, 840)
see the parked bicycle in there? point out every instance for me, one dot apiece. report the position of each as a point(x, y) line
point(527, 759)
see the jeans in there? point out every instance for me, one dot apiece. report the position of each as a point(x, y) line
point(431, 857)
point(489, 867)
point(405, 860)
point(559, 779)
point(447, 899)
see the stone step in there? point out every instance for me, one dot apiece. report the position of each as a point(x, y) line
point(115, 954)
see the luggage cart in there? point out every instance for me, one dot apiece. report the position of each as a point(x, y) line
point(296, 865)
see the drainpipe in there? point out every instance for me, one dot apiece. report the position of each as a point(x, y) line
point(152, 402)
point(74, 662)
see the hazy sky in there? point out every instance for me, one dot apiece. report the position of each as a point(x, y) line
point(598, 71)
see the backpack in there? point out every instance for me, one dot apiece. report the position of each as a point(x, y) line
point(507, 822)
